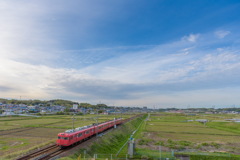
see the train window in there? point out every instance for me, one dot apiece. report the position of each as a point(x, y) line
point(59, 137)
point(65, 138)
point(80, 134)
point(86, 132)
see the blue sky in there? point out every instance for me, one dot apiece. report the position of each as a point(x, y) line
point(169, 53)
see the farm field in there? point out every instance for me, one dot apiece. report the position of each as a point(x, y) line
point(21, 134)
point(182, 133)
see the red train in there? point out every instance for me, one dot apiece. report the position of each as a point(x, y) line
point(72, 136)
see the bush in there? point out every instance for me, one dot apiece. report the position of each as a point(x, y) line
point(170, 141)
point(160, 143)
point(144, 141)
point(60, 113)
point(216, 145)
point(205, 144)
point(184, 143)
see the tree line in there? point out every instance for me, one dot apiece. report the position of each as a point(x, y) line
point(58, 102)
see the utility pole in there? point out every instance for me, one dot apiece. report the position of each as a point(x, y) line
point(73, 119)
point(115, 126)
point(96, 119)
point(84, 115)
point(97, 127)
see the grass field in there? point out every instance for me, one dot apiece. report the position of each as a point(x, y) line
point(174, 131)
point(21, 134)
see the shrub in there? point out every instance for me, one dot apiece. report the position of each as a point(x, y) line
point(161, 143)
point(216, 145)
point(184, 143)
point(144, 141)
point(205, 144)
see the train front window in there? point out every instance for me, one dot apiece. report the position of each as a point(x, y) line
point(59, 137)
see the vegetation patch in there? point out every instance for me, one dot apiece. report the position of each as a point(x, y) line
point(207, 157)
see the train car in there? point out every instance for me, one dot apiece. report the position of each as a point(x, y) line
point(119, 121)
point(64, 139)
point(72, 136)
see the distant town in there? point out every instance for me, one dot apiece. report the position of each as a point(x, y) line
point(37, 107)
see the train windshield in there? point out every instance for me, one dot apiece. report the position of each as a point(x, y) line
point(65, 138)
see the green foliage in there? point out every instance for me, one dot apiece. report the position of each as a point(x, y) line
point(160, 143)
point(216, 145)
point(205, 144)
point(206, 157)
point(212, 144)
point(152, 154)
point(101, 106)
point(79, 113)
point(144, 141)
point(170, 141)
point(54, 102)
point(175, 144)
point(60, 113)
point(185, 143)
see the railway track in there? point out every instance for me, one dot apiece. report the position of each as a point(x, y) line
point(39, 153)
point(53, 150)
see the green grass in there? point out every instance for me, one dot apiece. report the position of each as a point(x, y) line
point(53, 121)
point(225, 126)
point(153, 153)
point(213, 157)
point(12, 143)
point(199, 138)
point(188, 129)
point(175, 132)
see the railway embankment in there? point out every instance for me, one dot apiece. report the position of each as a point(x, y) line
point(112, 142)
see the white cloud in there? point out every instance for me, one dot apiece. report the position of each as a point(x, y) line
point(191, 38)
point(34, 81)
point(131, 75)
point(221, 33)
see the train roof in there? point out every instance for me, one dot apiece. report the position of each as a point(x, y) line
point(70, 131)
